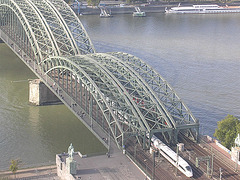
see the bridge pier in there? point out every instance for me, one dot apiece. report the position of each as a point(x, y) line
point(39, 94)
point(1, 41)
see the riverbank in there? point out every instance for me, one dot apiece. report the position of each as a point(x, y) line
point(119, 10)
point(129, 9)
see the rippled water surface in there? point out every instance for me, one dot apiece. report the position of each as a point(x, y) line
point(197, 54)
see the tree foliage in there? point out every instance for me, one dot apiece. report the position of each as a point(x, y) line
point(227, 131)
point(14, 166)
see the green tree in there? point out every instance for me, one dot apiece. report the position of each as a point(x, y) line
point(227, 131)
point(14, 166)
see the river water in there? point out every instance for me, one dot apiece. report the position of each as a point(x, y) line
point(197, 54)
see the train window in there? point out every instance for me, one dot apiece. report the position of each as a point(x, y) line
point(188, 168)
point(181, 167)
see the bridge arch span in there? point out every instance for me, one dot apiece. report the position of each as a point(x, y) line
point(90, 83)
point(50, 26)
point(126, 105)
point(14, 23)
point(119, 91)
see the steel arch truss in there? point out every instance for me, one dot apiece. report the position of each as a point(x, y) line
point(75, 26)
point(49, 27)
point(94, 89)
point(130, 102)
point(180, 115)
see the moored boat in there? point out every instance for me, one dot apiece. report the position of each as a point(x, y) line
point(203, 9)
point(139, 13)
point(104, 13)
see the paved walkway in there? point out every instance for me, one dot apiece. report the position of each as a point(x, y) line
point(42, 173)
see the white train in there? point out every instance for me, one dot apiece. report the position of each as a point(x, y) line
point(171, 156)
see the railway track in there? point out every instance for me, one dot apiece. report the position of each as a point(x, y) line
point(145, 161)
point(219, 166)
point(163, 169)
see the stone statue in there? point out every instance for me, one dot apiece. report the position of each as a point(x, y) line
point(71, 165)
point(70, 151)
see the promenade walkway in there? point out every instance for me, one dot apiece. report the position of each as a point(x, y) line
point(41, 173)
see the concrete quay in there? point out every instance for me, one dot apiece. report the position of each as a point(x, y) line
point(41, 173)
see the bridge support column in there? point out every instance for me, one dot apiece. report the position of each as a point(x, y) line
point(174, 140)
point(39, 94)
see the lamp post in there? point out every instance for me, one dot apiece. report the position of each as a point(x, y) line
point(145, 160)
point(135, 151)
point(220, 171)
point(177, 161)
point(237, 159)
point(212, 165)
point(153, 172)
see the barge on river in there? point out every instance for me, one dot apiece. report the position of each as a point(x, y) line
point(203, 9)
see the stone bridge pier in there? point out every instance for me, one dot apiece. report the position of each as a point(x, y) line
point(39, 94)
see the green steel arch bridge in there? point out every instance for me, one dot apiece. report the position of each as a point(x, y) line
point(116, 91)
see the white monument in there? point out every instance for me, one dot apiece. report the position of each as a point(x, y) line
point(235, 153)
point(237, 141)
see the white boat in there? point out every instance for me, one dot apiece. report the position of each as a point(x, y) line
point(138, 13)
point(104, 13)
point(203, 9)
